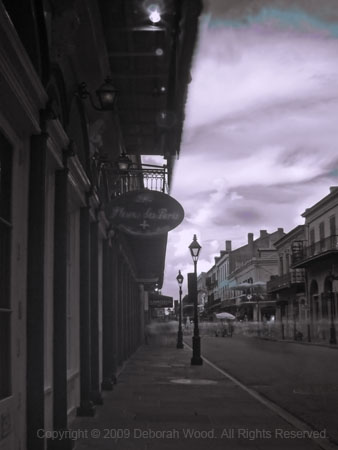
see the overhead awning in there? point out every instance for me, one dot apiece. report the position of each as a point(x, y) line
point(148, 255)
point(150, 64)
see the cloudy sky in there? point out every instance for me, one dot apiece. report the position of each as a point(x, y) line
point(261, 131)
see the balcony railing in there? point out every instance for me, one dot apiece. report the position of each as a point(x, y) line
point(300, 252)
point(211, 283)
point(112, 182)
point(285, 281)
point(146, 177)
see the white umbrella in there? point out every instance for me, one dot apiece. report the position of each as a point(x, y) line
point(259, 283)
point(225, 315)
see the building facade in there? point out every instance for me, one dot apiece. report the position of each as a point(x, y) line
point(222, 264)
point(237, 281)
point(288, 288)
point(317, 254)
point(202, 293)
point(251, 267)
point(211, 283)
point(73, 286)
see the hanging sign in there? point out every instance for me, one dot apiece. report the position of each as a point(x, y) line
point(160, 301)
point(144, 213)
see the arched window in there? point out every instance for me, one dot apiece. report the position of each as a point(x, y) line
point(314, 299)
point(327, 296)
point(313, 288)
point(328, 285)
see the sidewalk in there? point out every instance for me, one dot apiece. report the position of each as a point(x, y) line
point(162, 402)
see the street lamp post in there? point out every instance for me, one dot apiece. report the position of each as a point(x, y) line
point(180, 344)
point(196, 359)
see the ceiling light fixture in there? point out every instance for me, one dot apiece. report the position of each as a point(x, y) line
point(154, 13)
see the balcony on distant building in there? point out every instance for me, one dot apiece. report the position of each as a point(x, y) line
point(279, 282)
point(212, 304)
point(302, 255)
point(211, 283)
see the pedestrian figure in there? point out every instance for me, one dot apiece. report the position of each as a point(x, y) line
point(231, 329)
point(225, 328)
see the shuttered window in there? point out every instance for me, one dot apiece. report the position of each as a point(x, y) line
point(322, 236)
point(312, 241)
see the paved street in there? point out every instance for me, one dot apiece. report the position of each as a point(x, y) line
point(303, 379)
point(162, 402)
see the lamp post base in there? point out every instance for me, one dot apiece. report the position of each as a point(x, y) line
point(196, 359)
point(333, 338)
point(87, 409)
point(180, 340)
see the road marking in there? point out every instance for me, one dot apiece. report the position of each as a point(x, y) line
point(290, 418)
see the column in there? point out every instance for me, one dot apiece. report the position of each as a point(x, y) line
point(60, 310)
point(129, 313)
point(94, 317)
point(125, 312)
point(119, 309)
point(86, 407)
point(35, 293)
point(143, 311)
point(133, 311)
point(114, 324)
point(107, 319)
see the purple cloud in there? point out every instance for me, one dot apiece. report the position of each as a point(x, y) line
point(259, 143)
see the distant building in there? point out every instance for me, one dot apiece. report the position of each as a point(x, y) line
point(317, 254)
point(237, 281)
point(222, 269)
point(202, 293)
point(288, 287)
point(251, 267)
point(212, 289)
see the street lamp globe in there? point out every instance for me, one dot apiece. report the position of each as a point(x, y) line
point(179, 278)
point(195, 249)
point(106, 95)
point(123, 162)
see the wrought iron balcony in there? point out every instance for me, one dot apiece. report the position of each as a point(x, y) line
point(279, 282)
point(211, 283)
point(112, 181)
point(145, 176)
point(302, 255)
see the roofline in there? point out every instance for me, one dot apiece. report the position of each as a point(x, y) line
point(327, 198)
point(289, 234)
